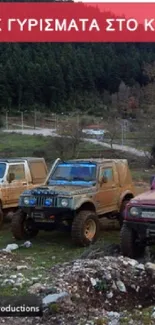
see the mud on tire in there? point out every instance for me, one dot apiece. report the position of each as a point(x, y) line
point(129, 246)
point(122, 209)
point(19, 227)
point(85, 228)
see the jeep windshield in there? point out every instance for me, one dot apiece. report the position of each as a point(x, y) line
point(2, 169)
point(73, 173)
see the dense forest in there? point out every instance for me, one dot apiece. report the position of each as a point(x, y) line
point(62, 77)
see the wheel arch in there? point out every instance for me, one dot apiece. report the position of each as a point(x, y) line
point(126, 196)
point(86, 206)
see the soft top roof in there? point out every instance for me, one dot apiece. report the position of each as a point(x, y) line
point(14, 160)
point(96, 160)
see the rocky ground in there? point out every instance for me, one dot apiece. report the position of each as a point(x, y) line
point(97, 289)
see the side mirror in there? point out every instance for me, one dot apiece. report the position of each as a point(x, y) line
point(103, 180)
point(152, 183)
point(10, 177)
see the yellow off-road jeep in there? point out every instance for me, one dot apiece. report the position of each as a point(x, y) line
point(76, 193)
point(17, 175)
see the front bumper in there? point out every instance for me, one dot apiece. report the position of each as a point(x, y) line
point(144, 229)
point(48, 214)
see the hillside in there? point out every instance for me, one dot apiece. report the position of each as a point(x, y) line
point(62, 77)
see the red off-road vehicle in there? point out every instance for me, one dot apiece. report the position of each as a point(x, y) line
point(138, 230)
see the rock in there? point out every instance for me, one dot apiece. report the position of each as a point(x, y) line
point(11, 247)
point(153, 315)
point(93, 282)
point(108, 276)
point(121, 286)
point(34, 279)
point(27, 244)
point(21, 267)
point(54, 298)
point(8, 281)
point(19, 281)
point(150, 267)
point(109, 295)
point(140, 267)
point(13, 276)
point(113, 314)
point(132, 262)
point(20, 275)
point(36, 288)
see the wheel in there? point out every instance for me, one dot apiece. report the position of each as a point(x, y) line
point(85, 228)
point(1, 218)
point(130, 247)
point(121, 214)
point(22, 227)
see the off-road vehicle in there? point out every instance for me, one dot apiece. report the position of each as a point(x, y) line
point(16, 175)
point(138, 230)
point(76, 193)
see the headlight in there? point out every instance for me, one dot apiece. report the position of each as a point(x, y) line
point(32, 201)
point(134, 211)
point(48, 202)
point(64, 203)
point(26, 200)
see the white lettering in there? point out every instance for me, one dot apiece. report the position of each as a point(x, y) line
point(41, 25)
point(10, 24)
point(32, 23)
point(59, 26)
point(94, 24)
point(84, 20)
point(131, 22)
point(110, 24)
point(73, 25)
point(21, 24)
point(148, 24)
point(48, 25)
point(120, 23)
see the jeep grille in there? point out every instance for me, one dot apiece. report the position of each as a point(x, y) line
point(40, 200)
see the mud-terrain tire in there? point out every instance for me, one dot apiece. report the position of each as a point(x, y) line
point(18, 228)
point(129, 247)
point(1, 218)
point(85, 228)
point(121, 213)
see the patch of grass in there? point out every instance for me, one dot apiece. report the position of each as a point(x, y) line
point(20, 145)
point(48, 249)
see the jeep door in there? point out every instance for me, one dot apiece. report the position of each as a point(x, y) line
point(108, 192)
point(13, 190)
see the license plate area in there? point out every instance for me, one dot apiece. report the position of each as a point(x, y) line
point(40, 217)
point(148, 214)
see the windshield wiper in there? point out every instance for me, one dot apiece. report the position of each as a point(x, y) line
point(81, 179)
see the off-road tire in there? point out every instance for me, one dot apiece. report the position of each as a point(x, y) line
point(1, 218)
point(121, 213)
point(129, 246)
point(79, 227)
point(127, 241)
point(17, 227)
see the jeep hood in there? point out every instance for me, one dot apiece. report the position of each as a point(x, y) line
point(145, 198)
point(63, 190)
